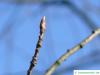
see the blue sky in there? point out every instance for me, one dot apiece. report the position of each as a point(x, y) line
point(19, 30)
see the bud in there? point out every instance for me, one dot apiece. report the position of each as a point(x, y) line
point(43, 24)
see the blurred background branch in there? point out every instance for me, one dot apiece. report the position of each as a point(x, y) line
point(18, 29)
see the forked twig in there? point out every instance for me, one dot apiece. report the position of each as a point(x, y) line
point(38, 46)
point(72, 51)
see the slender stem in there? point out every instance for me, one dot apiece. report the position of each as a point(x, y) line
point(38, 46)
point(72, 51)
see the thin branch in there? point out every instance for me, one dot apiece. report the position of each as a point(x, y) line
point(72, 51)
point(38, 46)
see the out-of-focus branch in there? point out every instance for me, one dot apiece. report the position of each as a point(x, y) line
point(45, 3)
point(72, 51)
point(38, 46)
point(90, 24)
point(82, 15)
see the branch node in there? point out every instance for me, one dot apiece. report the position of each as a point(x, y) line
point(58, 63)
point(68, 50)
point(93, 31)
point(81, 46)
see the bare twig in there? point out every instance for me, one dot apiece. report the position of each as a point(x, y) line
point(38, 46)
point(72, 51)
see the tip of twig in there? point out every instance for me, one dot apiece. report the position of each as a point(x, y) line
point(43, 23)
point(43, 18)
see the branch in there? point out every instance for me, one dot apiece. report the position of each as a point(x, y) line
point(38, 46)
point(72, 51)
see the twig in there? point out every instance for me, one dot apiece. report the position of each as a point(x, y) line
point(72, 51)
point(38, 46)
